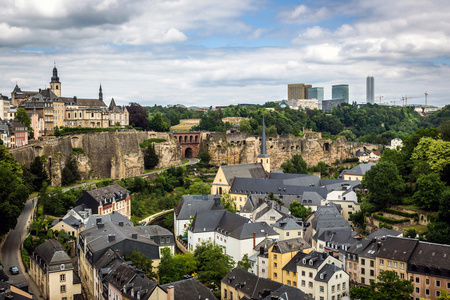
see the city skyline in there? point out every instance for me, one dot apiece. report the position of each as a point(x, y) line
point(207, 53)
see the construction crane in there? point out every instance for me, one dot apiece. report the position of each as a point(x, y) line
point(380, 98)
point(405, 100)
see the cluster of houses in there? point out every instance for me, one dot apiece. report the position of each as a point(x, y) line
point(47, 109)
point(320, 257)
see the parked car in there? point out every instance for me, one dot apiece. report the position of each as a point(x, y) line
point(14, 270)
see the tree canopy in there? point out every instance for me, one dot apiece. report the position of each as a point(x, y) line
point(388, 286)
point(295, 165)
point(299, 210)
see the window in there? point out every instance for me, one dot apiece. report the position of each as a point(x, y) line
point(448, 285)
point(287, 233)
point(363, 271)
point(363, 261)
point(231, 295)
point(287, 272)
point(372, 273)
point(310, 275)
point(402, 276)
point(303, 283)
point(275, 275)
point(389, 263)
point(363, 280)
point(350, 265)
point(322, 289)
point(321, 298)
point(438, 293)
point(289, 282)
point(275, 265)
point(310, 284)
point(372, 263)
point(294, 283)
point(427, 292)
point(299, 233)
point(303, 273)
point(338, 287)
point(62, 277)
point(395, 264)
point(438, 283)
point(427, 281)
point(274, 256)
point(225, 294)
point(381, 262)
point(63, 289)
point(417, 290)
point(332, 288)
point(343, 286)
point(263, 270)
point(402, 265)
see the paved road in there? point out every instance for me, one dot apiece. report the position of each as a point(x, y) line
point(10, 251)
point(10, 254)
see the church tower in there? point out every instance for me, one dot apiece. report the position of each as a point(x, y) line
point(55, 85)
point(264, 158)
point(100, 93)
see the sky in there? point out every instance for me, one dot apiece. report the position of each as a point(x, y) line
point(208, 53)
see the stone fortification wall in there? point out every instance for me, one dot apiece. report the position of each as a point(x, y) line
point(110, 154)
point(239, 148)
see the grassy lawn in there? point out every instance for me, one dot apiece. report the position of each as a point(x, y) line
point(420, 229)
point(410, 206)
point(185, 160)
point(181, 127)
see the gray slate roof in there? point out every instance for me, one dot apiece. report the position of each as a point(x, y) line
point(430, 258)
point(396, 248)
point(360, 169)
point(114, 217)
point(383, 232)
point(251, 170)
point(190, 289)
point(289, 224)
point(109, 192)
point(326, 272)
point(291, 245)
point(189, 205)
point(255, 287)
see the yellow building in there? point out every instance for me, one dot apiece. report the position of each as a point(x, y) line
point(53, 272)
point(280, 253)
point(356, 173)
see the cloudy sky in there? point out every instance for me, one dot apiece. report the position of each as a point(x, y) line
point(205, 52)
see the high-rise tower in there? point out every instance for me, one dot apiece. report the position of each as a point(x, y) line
point(55, 85)
point(298, 91)
point(264, 158)
point(370, 90)
point(340, 91)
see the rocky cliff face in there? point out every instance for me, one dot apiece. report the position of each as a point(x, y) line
point(110, 154)
point(239, 148)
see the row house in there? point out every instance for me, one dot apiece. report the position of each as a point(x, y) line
point(13, 133)
point(53, 272)
point(425, 264)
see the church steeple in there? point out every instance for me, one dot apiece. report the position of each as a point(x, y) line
point(100, 93)
point(264, 158)
point(55, 85)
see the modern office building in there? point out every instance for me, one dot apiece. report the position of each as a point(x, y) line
point(298, 91)
point(370, 89)
point(315, 93)
point(340, 91)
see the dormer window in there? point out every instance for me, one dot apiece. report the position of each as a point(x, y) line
point(311, 262)
point(304, 261)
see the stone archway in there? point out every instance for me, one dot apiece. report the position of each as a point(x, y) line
point(188, 153)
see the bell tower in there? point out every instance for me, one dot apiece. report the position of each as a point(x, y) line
point(100, 93)
point(264, 158)
point(55, 85)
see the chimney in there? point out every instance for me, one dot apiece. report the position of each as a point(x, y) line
point(254, 240)
point(170, 293)
point(261, 250)
point(111, 237)
point(134, 235)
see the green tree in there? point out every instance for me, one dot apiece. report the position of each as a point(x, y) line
point(438, 232)
point(428, 193)
point(435, 153)
point(384, 183)
point(244, 263)
point(213, 264)
point(174, 267)
point(296, 165)
point(227, 202)
point(348, 134)
point(22, 117)
point(39, 172)
point(411, 233)
point(142, 262)
point(298, 210)
point(158, 124)
point(151, 159)
point(358, 218)
point(198, 187)
point(70, 173)
point(388, 286)
point(204, 156)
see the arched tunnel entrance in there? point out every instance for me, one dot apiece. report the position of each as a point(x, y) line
point(188, 153)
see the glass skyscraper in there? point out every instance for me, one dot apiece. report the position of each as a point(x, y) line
point(315, 93)
point(340, 91)
point(370, 90)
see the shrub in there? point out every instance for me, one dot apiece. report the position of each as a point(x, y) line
point(148, 143)
point(389, 220)
point(77, 151)
point(401, 213)
point(384, 225)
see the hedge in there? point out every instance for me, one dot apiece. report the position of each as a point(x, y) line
point(389, 220)
point(148, 143)
point(401, 213)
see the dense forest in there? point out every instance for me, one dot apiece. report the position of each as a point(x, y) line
point(369, 123)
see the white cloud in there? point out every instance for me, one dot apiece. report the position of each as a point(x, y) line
point(303, 14)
